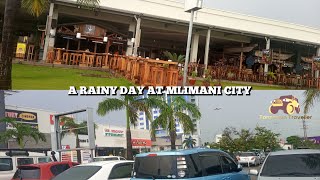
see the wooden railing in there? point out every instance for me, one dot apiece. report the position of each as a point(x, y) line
point(141, 71)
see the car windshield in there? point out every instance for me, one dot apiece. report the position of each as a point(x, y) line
point(166, 167)
point(301, 165)
point(27, 173)
point(78, 173)
point(105, 159)
point(6, 164)
point(247, 154)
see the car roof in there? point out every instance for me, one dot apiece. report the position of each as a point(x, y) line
point(104, 163)
point(295, 151)
point(45, 164)
point(179, 152)
point(108, 157)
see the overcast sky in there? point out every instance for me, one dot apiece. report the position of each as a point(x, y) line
point(293, 11)
point(239, 112)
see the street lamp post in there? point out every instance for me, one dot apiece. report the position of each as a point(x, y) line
point(190, 6)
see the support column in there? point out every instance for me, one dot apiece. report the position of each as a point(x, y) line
point(137, 37)
point(129, 51)
point(206, 53)
point(49, 40)
point(266, 66)
point(194, 48)
point(318, 55)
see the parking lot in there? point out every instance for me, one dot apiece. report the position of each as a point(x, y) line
point(246, 169)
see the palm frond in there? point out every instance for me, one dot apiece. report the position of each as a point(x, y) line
point(311, 96)
point(168, 54)
point(108, 105)
point(186, 121)
point(35, 7)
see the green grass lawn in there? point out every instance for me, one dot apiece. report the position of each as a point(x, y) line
point(28, 77)
point(254, 87)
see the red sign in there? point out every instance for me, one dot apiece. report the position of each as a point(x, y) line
point(141, 142)
point(52, 120)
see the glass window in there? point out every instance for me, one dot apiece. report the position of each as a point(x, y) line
point(141, 124)
point(247, 154)
point(27, 173)
point(104, 159)
point(78, 173)
point(44, 159)
point(59, 168)
point(293, 165)
point(24, 161)
point(228, 165)
point(122, 158)
point(121, 171)
point(6, 164)
point(210, 162)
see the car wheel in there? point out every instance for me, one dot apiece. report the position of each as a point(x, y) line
point(290, 109)
point(298, 109)
point(273, 110)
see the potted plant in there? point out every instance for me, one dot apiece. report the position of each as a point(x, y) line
point(207, 80)
point(230, 76)
point(271, 77)
point(192, 80)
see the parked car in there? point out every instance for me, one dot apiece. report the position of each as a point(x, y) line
point(249, 158)
point(11, 159)
point(42, 171)
point(197, 163)
point(298, 164)
point(108, 158)
point(98, 170)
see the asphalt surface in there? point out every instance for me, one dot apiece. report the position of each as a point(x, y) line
point(246, 169)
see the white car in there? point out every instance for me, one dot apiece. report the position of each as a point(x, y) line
point(98, 170)
point(108, 158)
point(301, 164)
point(248, 158)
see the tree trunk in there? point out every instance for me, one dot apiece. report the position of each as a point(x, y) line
point(8, 39)
point(3, 126)
point(78, 151)
point(129, 145)
point(173, 137)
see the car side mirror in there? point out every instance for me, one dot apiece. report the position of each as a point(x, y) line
point(253, 172)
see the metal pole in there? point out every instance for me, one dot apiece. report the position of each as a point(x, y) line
point(188, 49)
point(206, 54)
point(137, 37)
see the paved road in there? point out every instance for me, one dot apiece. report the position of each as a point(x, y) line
point(246, 169)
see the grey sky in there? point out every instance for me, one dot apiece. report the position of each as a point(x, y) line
point(293, 11)
point(240, 112)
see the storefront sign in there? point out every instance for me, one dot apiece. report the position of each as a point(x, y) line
point(316, 139)
point(22, 116)
point(113, 132)
point(141, 142)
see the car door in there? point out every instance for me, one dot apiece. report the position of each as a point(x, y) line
point(121, 171)
point(211, 167)
point(230, 168)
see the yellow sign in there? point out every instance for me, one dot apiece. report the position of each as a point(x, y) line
point(27, 116)
point(21, 49)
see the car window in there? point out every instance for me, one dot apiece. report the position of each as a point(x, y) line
point(105, 159)
point(302, 165)
point(59, 168)
point(210, 163)
point(78, 173)
point(247, 154)
point(44, 159)
point(6, 164)
point(228, 165)
point(27, 173)
point(24, 161)
point(122, 158)
point(121, 171)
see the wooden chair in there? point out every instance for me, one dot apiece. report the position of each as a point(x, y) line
point(65, 58)
point(90, 60)
point(50, 57)
point(30, 53)
point(99, 60)
point(75, 58)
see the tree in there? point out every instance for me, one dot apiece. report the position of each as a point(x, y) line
point(19, 132)
point(311, 96)
point(189, 142)
point(265, 139)
point(176, 110)
point(34, 7)
point(295, 141)
point(174, 57)
point(71, 127)
point(131, 105)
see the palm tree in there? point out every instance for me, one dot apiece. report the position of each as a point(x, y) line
point(19, 132)
point(34, 7)
point(189, 142)
point(176, 110)
point(174, 57)
point(71, 127)
point(311, 96)
point(131, 105)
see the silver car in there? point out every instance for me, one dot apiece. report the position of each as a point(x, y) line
point(298, 164)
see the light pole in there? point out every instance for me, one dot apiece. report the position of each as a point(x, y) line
point(190, 6)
